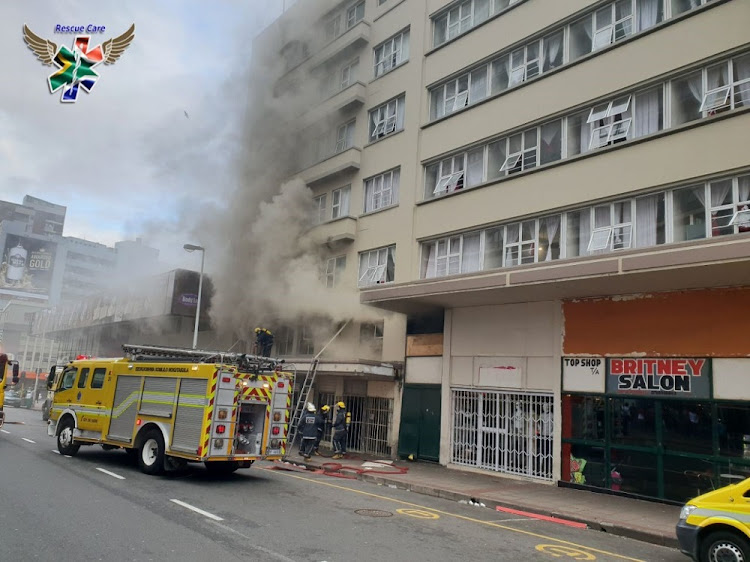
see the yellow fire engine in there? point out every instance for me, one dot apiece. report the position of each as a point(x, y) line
point(4, 362)
point(170, 406)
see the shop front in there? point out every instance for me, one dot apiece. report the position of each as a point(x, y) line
point(668, 420)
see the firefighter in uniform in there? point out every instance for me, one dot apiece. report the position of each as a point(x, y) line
point(340, 431)
point(322, 421)
point(308, 427)
point(263, 342)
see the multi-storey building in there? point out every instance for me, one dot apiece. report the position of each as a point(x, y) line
point(554, 198)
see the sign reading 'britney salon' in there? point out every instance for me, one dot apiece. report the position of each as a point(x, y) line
point(684, 378)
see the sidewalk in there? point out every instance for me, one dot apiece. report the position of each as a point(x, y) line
point(642, 520)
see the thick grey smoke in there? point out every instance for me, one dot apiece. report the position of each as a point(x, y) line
point(263, 267)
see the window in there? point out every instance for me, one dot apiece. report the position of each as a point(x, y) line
point(465, 15)
point(306, 343)
point(445, 176)
point(340, 202)
point(610, 122)
point(382, 191)
point(349, 74)
point(83, 377)
point(334, 270)
point(355, 14)
point(387, 118)
point(520, 243)
point(345, 137)
point(320, 209)
point(521, 151)
point(333, 27)
point(68, 378)
point(689, 213)
point(391, 53)
point(377, 266)
point(451, 256)
point(283, 341)
point(372, 333)
point(97, 381)
point(613, 227)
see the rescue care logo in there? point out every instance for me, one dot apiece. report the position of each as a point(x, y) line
point(682, 377)
point(76, 66)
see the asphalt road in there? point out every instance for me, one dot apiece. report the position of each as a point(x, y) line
point(98, 506)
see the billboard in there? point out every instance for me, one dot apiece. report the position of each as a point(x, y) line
point(185, 294)
point(27, 265)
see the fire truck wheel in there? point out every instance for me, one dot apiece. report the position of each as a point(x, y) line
point(65, 443)
point(222, 467)
point(151, 452)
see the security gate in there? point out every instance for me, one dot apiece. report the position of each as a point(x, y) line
point(509, 432)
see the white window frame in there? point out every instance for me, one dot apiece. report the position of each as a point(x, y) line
point(741, 218)
point(381, 191)
point(520, 64)
point(351, 15)
point(385, 118)
point(620, 234)
point(333, 27)
point(522, 243)
point(609, 31)
point(333, 266)
point(336, 205)
point(344, 137)
point(512, 159)
point(348, 74)
point(600, 239)
point(377, 266)
point(390, 53)
point(449, 175)
point(322, 208)
point(615, 129)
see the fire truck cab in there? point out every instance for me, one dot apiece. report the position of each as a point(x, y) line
point(171, 406)
point(4, 362)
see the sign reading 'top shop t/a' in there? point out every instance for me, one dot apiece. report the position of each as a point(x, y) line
point(679, 377)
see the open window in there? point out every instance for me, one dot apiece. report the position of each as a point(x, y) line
point(600, 239)
point(716, 99)
point(461, 100)
point(450, 183)
point(741, 219)
point(609, 123)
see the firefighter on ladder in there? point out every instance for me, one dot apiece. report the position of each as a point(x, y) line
point(341, 431)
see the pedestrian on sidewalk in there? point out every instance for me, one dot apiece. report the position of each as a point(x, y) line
point(340, 433)
point(322, 421)
point(308, 427)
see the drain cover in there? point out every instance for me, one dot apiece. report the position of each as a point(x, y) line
point(373, 512)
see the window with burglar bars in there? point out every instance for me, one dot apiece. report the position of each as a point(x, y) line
point(510, 432)
point(387, 118)
point(370, 428)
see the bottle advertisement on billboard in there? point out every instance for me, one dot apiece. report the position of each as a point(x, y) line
point(27, 265)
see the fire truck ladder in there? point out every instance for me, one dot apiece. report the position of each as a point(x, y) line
point(243, 361)
point(305, 391)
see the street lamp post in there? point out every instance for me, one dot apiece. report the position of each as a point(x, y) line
point(192, 248)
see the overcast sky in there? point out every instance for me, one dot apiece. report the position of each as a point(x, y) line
point(125, 159)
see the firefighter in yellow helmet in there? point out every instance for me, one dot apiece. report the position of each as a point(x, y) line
point(323, 419)
point(340, 431)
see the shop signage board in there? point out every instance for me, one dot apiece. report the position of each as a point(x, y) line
point(683, 377)
point(583, 374)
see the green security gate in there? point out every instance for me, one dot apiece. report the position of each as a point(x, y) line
point(419, 434)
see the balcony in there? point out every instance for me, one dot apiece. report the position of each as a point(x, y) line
point(338, 231)
point(351, 97)
point(342, 163)
point(356, 37)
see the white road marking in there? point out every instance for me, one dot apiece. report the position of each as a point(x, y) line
point(55, 451)
point(193, 508)
point(253, 546)
point(67, 456)
point(110, 473)
point(6, 432)
point(28, 440)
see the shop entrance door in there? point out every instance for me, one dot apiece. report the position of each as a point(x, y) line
point(419, 433)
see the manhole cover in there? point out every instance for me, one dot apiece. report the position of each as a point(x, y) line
point(373, 512)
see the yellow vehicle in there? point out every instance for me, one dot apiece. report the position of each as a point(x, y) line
point(4, 362)
point(171, 406)
point(715, 526)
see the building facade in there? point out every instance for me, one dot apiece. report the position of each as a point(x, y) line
point(565, 186)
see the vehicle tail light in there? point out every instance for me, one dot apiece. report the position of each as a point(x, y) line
point(226, 379)
point(275, 444)
point(275, 430)
point(218, 443)
point(281, 385)
point(223, 414)
point(138, 421)
point(277, 416)
point(221, 429)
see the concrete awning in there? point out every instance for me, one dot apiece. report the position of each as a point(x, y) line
point(369, 369)
point(716, 262)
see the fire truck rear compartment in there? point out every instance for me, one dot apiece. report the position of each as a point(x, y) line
point(251, 426)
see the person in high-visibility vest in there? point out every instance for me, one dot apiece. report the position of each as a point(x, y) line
point(340, 431)
point(323, 419)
